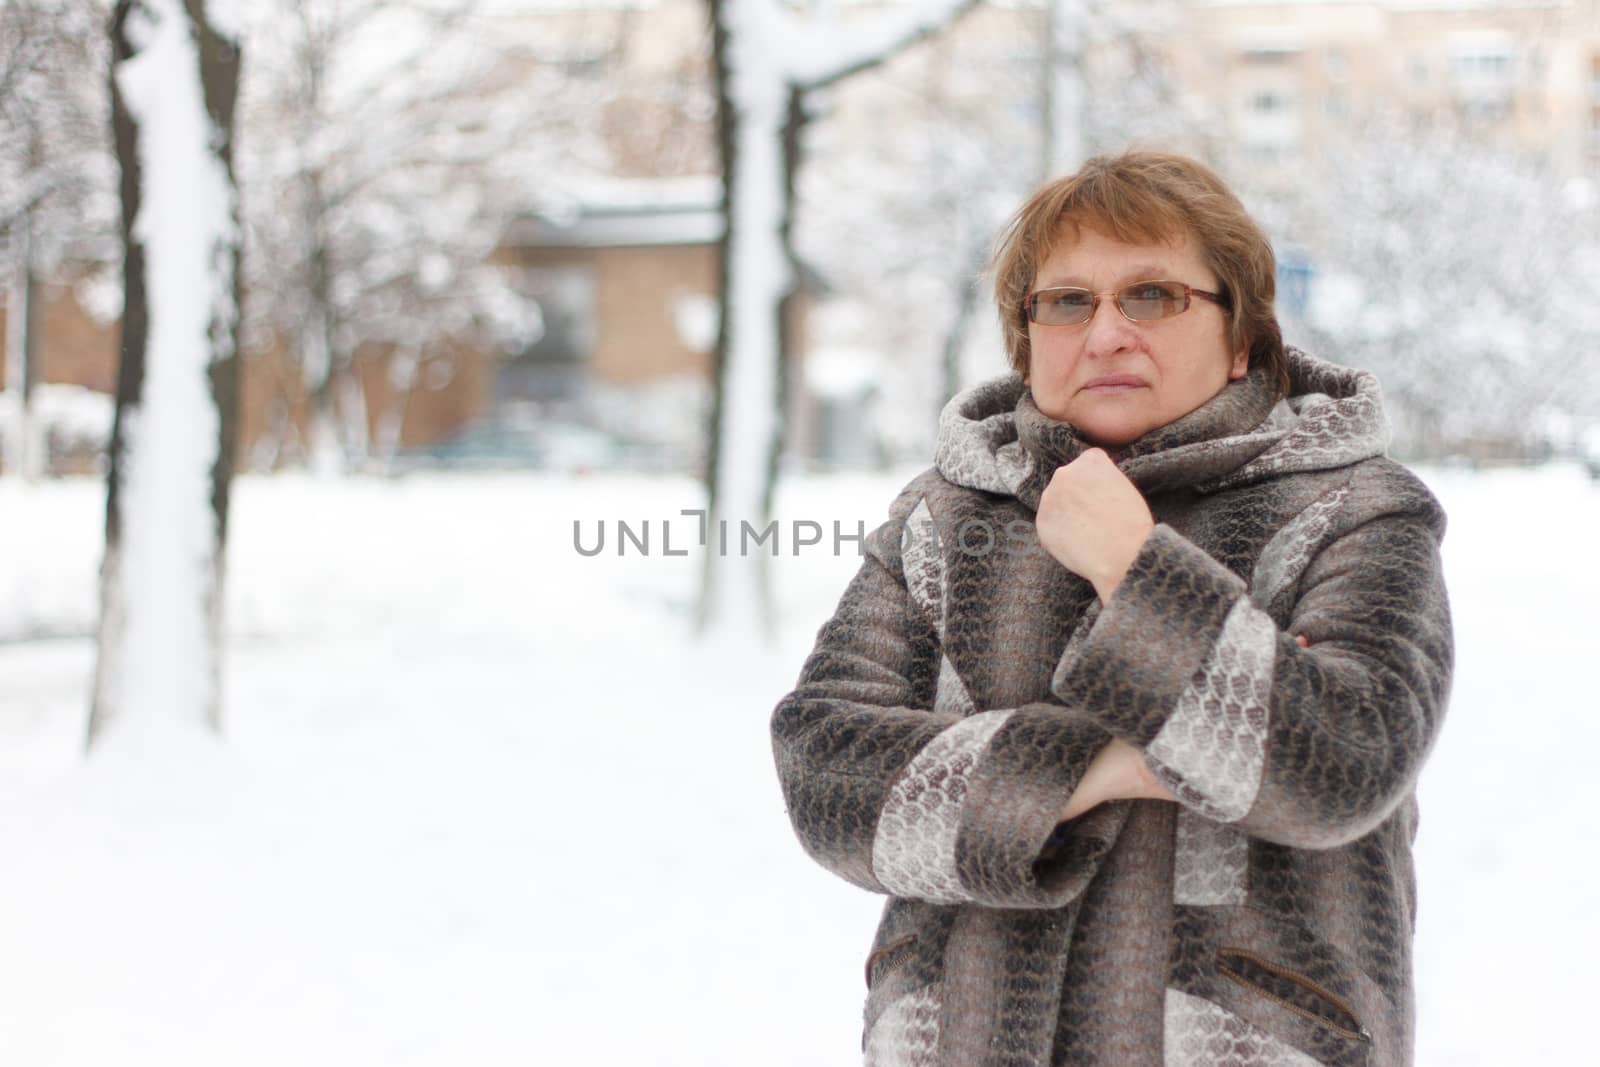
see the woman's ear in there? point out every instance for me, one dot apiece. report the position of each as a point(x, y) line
point(1241, 364)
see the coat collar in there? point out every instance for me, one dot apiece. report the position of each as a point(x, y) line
point(994, 438)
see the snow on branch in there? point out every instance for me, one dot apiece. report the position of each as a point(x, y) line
point(821, 51)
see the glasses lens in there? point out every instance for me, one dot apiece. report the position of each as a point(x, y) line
point(1062, 307)
point(1152, 300)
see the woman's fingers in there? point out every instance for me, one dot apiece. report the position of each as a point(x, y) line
point(1093, 520)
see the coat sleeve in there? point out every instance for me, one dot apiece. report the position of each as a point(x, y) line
point(935, 805)
point(1307, 747)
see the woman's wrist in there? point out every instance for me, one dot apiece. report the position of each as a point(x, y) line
point(1146, 785)
point(1110, 577)
point(1117, 772)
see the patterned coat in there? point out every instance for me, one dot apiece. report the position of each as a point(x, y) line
point(967, 679)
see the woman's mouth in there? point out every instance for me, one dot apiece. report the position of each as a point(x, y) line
point(1114, 383)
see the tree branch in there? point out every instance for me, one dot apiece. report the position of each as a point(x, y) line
point(828, 54)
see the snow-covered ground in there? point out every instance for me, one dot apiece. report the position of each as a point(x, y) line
point(482, 800)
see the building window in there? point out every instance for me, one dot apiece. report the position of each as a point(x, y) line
point(1268, 102)
point(1267, 56)
point(1337, 64)
point(553, 365)
point(565, 296)
point(1481, 66)
point(1483, 73)
point(1268, 121)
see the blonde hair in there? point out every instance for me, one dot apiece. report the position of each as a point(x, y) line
point(1143, 197)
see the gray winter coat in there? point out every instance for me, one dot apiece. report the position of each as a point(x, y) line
point(967, 679)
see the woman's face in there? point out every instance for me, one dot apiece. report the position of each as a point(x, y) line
point(1116, 380)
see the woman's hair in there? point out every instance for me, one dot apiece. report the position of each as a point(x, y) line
point(1147, 197)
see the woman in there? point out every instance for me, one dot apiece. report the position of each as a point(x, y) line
point(1125, 708)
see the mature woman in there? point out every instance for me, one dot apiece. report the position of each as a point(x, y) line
point(1125, 708)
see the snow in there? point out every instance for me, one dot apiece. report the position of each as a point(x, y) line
point(600, 212)
point(841, 372)
point(694, 320)
point(1505, 884)
point(820, 50)
point(480, 799)
point(667, 224)
point(158, 655)
point(604, 193)
point(521, 7)
point(69, 413)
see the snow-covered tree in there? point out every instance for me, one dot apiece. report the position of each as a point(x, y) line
point(384, 147)
point(769, 58)
point(963, 127)
point(900, 223)
point(57, 184)
point(174, 80)
point(1453, 268)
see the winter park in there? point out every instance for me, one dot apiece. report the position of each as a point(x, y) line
point(456, 580)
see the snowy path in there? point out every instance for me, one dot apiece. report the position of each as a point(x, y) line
point(483, 802)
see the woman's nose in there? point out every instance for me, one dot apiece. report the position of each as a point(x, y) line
point(1108, 330)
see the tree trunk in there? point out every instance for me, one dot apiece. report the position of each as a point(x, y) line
point(761, 115)
point(755, 279)
point(174, 81)
point(1064, 88)
point(23, 447)
point(404, 369)
point(968, 288)
point(331, 448)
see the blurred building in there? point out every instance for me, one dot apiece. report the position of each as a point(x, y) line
point(1286, 79)
point(626, 283)
point(625, 274)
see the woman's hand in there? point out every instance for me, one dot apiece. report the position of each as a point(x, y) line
point(1117, 773)
point(1093, 520)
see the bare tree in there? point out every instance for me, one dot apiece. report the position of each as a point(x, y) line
point(56, 183)
point(769, 59)
point(927, 192)
point(386, 144)
point(174, 80)
point(1447, 265)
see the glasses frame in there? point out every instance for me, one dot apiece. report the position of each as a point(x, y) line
point(1189, 292)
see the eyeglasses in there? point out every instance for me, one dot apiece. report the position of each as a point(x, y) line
point(1139, 302)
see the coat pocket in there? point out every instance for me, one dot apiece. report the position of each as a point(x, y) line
point(1275, 982)
point(886, 959)
point(903, 969)
point(1292, 990)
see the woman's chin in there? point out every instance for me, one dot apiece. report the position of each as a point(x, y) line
point(1111, 432)
point(1113, 442)
point(1109, 420)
